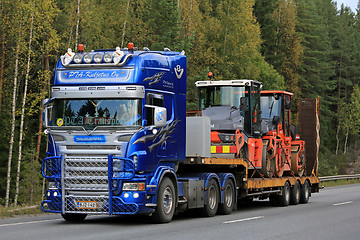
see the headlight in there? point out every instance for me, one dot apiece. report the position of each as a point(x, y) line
point(108, 58)
point(134, 186)
point(98, 58)
point(87, 58)
point(78, 58)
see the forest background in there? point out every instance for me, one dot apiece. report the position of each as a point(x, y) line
point(307, 47)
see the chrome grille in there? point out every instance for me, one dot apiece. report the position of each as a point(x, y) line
point(86, 173)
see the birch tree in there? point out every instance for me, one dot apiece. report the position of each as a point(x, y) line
point(23, 108)
point(13, 108)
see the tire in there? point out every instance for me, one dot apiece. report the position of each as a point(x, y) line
point(74, 217)
point(229, 198)
point(284, 199)
point(305, 192)
point(295, 194)
point(212, 199)
point(165, 203)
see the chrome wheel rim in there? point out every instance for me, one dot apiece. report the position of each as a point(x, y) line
point(228, 196)
point(168, 200)
point(212, 197)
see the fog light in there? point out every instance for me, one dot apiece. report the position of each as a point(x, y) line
point(126, 195)
point(78, 58)
point(87, 58)
point(136, 195)
point(98, 58)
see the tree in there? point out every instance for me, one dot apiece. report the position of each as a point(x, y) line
point(23, 107)
point(11, 143)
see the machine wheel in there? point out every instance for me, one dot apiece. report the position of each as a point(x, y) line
point(212, 199)
point(74, 217)
point(297, 167)
point(295, 194)
point(305, 192)
point(284, 199)
point(229, 198)
point(165, 203)
point(265, 162)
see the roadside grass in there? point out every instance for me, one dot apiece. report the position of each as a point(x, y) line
point(19, 211)
point(339, 182)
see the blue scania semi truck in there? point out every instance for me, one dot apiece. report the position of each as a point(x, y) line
point(119, 141)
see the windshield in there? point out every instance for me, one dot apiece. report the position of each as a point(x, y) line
point(221, 96)
point(270, 106)
point(91, 113)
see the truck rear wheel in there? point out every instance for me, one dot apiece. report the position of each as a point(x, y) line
point(74, 217)
point(284, 199)
point(305, 192)
point(229, 198)
point(295, 194)
point(212, 199)
point(165, 203)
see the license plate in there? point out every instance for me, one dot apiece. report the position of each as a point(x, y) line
point(86, 204)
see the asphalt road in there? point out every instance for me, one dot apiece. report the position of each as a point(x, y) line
point(334, 213)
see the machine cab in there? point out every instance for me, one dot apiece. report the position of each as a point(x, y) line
point(231, 105)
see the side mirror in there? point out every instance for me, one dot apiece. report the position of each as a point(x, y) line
point(156, 116)
point(243, 104)
point(275, 120)
point(159, 116)
point(46, 117)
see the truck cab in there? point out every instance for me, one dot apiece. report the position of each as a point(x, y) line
point(116, 127)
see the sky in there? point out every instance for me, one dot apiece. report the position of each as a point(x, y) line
point(350, 3)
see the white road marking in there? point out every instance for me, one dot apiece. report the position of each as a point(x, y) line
point(244, 219)
point(342, 203)
point(22, 223)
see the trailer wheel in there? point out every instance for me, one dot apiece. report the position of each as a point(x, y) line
point(165, 203)
point(229, 198)
point(74, 217)
point(295, 194)
point(305, 192)
point(212, 199)
point(284, 199)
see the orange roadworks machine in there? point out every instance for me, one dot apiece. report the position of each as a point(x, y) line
point(243, 131)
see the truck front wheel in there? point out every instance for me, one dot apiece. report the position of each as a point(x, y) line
point(165, 203)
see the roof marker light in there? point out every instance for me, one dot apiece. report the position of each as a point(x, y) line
point(80, 48)
point(130, 46)
point(210, 75)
